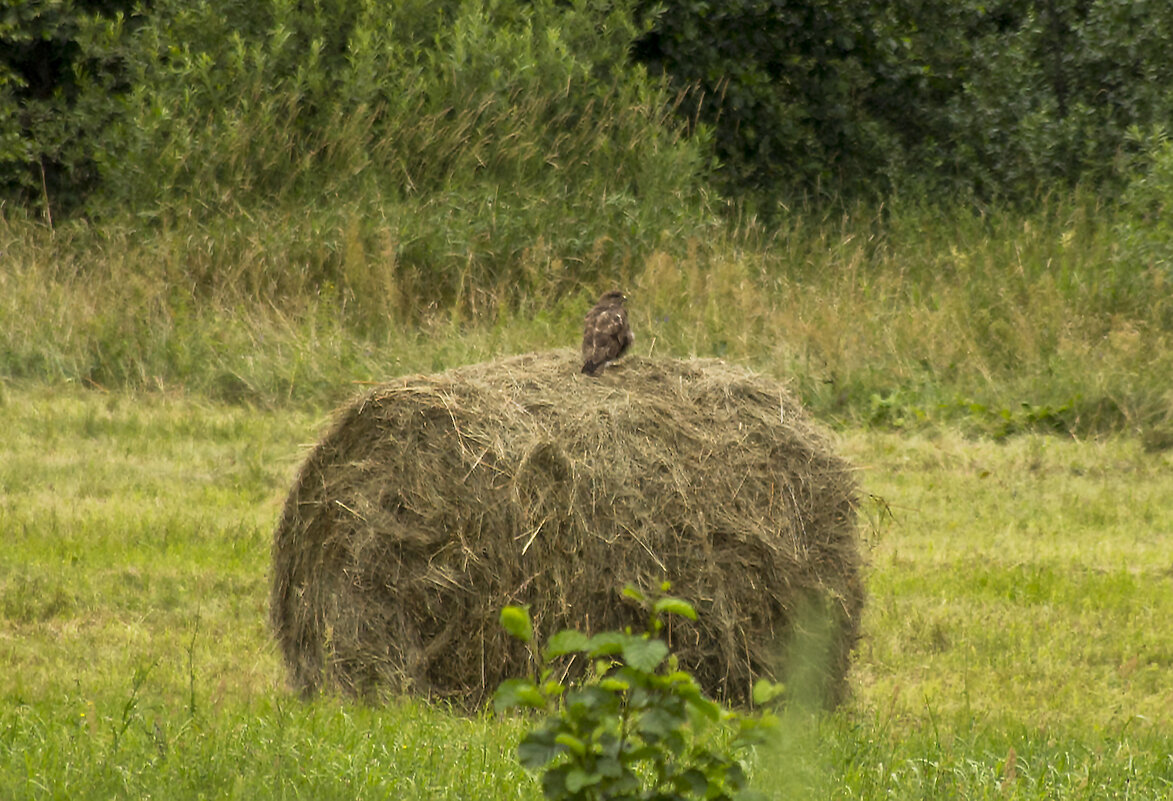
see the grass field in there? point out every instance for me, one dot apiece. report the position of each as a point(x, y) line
point(1017, 640)
point(270, 232)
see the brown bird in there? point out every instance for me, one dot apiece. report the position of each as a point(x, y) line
point(607, 335)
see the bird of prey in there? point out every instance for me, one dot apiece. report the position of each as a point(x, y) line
point(607, 335)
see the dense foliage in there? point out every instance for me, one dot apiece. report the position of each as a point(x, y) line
point(220, 103)
point(990, 99)
point(54, 84)
point(465, 142)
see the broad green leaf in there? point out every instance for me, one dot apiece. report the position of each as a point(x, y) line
point(683, 679)
point(515, 620)
point(606, 643)
point(614, 685)
point(659, 723)
point(602, 666)
point(572, 743)
point(592, 698)
point(577, 778)
point(675, 606)
point(517, 692)
point(692, 781)
point(644, 752)
point(530, 696)
point(674, 742)
point(610, 746)
point(609, 767)
point(655, 681)
point(565, 642)
point(626, 786)
point(554, 782)
point(631, 592)
point(639, 697)
point(645, 655)
point(735, 776)
point(536, 749)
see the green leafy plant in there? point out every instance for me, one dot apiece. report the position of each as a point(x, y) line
point(636, 726)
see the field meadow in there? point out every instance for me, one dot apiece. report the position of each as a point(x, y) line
point(1017, 639)
point(221, 220)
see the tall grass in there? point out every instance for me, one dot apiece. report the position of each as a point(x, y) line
point(898, 318)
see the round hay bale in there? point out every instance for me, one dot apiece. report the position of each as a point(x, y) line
point(435, 500)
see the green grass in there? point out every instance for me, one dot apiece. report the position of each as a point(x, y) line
point(1028, 575)
point(1016, 640)
point(901, 319)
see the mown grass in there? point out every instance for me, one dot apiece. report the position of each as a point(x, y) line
point(1028, 575)
point(1016, 640)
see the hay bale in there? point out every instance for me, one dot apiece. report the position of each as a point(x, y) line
point(435, 500)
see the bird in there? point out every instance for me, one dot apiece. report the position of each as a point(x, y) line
point(607, 335)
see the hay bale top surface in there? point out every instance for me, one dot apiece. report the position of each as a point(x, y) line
point(543, 396)
point(435, 500)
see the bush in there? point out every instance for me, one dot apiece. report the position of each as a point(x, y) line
point(778, 83)
point(485, 128)
point(857, 100)
point(634, 730)
point(1145, 229)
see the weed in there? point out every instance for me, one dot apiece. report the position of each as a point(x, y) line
point(635, 729)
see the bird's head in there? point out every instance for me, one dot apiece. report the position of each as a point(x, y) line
point(614, 296)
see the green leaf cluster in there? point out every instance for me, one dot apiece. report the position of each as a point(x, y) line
point(637, 727)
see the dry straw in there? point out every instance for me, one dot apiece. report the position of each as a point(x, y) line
point(435, 500)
